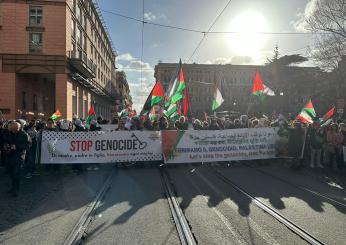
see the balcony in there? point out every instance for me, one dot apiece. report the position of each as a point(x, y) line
point(95, 87)
point(85, 66)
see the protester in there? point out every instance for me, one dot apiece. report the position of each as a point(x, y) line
point(334, 146)
point(296, 144)
point(93, 126)
point(16, 143)
point(316, 136)
point(30, 160)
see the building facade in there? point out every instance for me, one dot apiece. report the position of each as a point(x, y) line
point(124, 91)
point(55, 54)
point(292, 85)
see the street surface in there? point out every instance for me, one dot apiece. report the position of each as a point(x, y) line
point(134, 209)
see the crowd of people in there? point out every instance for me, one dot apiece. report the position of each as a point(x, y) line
point(323, 145)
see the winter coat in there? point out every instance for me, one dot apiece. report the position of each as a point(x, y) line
point(334, 141)
point(22, 141)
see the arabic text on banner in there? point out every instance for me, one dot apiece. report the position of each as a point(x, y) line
point(221, 145)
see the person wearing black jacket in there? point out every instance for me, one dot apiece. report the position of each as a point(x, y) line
point(15, 143)
point(78, 128)
point(316, 138)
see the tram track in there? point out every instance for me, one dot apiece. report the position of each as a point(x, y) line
point(315, 193)
point(295, 228)
point(78, 233)
point(184, 232)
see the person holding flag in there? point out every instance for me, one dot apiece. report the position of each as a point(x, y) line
point(316, 139)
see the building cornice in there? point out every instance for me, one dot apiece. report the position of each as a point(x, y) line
point(38, 2)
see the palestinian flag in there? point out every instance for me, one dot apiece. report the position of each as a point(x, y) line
point(176, 87)
point(218, 100)
point(157, 94)
point(91, 115)
point(329, 114)
point(186, 102)
point(258, 86)
point(56, 115)
point(307, 114)
point(170, 141)
point(170, 110)
point(268, 91)
point(124, 113)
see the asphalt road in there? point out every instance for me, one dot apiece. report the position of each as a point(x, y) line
point(220, 215)
point(134, 211)
point(321, 217)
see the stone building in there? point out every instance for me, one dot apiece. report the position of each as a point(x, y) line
point(292, 85)
point(55, 55)
point(124, 91)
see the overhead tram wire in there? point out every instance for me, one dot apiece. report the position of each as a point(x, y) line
point(211, 26)
point(205, 32)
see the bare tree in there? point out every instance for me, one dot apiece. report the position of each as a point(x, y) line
point(328, 22)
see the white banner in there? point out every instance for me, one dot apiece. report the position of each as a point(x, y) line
point(100, 147)
point(221, 145)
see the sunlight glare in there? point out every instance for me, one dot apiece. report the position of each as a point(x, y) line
point(248, 42)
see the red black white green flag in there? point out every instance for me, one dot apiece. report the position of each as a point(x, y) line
point(307, 114)
point(329, 114)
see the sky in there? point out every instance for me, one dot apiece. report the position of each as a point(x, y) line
point(169, 45)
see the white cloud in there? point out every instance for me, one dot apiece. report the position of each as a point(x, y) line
point(300, 23)
point(137, 65)
point(139, 87)
point(125, 57)
point(150, 16)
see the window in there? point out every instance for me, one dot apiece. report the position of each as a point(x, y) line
point(35, 16)
point(86, 109)
point(85, 22)
point(80, 102)
point(78, 35)
point(77, 12)
point(74, 100)
point(35, 42)
point(73, 29)
point(85, 43)
point(34, 102)
point(23, 100)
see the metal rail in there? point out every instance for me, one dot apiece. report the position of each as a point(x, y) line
point(183, 229)
point(316, 193)
point(79, 231)
point(285, 221)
